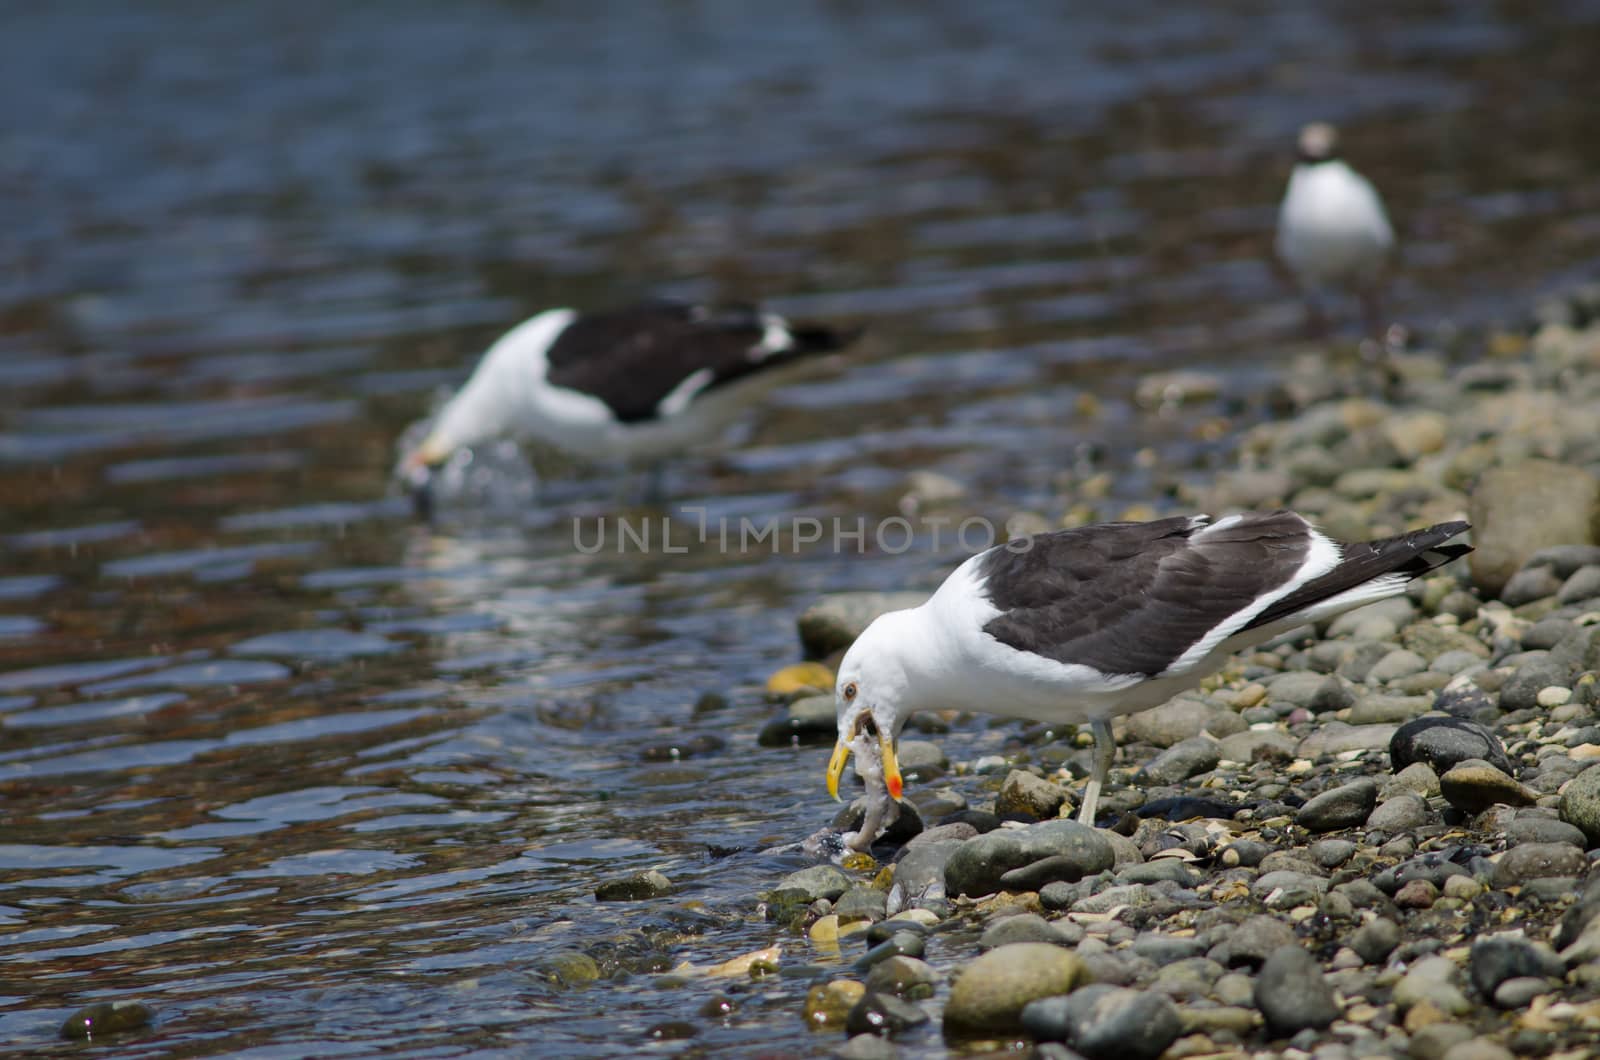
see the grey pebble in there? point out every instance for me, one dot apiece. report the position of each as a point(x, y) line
point(1024, 927)
point(1376, 939)
point(1528, 861)
point(1331, 853)
point(1442, 742)
point(1106, 1022)
point(1344, 807)
point(1181, 761)
point(1402, 813)
point(1292, 993)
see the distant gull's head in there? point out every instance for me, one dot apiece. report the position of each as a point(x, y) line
point(493, 403)
point(870, 699)
point(1319, 142)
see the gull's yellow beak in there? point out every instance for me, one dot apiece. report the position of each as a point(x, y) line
point(841, 755)
point(891, 768)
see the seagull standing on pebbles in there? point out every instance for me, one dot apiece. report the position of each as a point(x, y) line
point(1089, 624)
point(1332, 228)
point(634, 384)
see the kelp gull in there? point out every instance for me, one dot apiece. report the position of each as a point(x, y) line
point(1332, 228)
point(1089, 624)
point(634, 384)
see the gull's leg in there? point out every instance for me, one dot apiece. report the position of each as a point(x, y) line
point(1105, 750)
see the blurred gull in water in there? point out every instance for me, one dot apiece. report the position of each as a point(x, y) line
point(634, 384)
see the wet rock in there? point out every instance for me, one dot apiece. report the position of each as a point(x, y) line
point(1475, 785)
point(1402, 813)
point(568, 968)
point(1580, 804)
point(990, 993)
point(1517, 510)
point(1344, 807)
point(1029, 796)
point(1024, 927)
point(829, 1005)
point(1442, 742)
point(1496, 958)
point(106, 1017)
point(921, 870)
point(903, 976)
point(861, 903)
point(922, 760)
point(636, 888)
point(1376, 939)
point(1104, 1022)
point(1432, 981)
point(978, 866)
point(834, 622)
point(1181, 761)
point(1529, 861)
point(1292, 993)
point(1249, 945)
point(818, 881)
point(808, 720)
point(884, 1014)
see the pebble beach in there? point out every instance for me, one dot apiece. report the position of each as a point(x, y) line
point(1373, 838)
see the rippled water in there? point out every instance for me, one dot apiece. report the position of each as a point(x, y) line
point(311, 779)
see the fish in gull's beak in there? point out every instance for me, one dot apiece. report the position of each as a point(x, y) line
point(874, 748)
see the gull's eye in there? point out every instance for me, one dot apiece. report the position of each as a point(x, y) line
point(849, 691)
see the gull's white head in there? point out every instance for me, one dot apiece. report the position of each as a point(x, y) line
point(872, 702)
point(1318, 142)
point(493, 403)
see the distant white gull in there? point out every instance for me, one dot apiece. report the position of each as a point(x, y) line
point(633, 384)
point(1332, 228)
point(1089, 624)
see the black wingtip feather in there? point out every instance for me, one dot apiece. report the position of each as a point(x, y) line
point(1412, 554)
point(821, 338)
